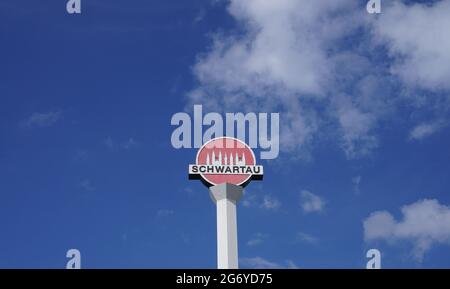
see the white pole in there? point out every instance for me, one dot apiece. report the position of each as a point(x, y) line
point(226, 196)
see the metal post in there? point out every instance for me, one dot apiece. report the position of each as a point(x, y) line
point(226, 196)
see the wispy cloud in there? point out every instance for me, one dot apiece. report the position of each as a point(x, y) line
point(261, 263)
point(164, 213)
point(114, 146)
point(249, 200)
point(262, 201)
point(110, 144)
point(270, 203)
point(311, 203)
point(424, 130)
point(130, 144)
point(257, 239)
point(200, 16)
point(87, 185)
point(424, 223)
point(38, 119)
point(186, 238)
point(80, 155)
point(356, 181)
point(306, 238)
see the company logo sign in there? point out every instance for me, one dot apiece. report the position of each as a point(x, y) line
point(225, 160)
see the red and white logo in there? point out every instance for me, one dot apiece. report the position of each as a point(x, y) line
point(225, 160)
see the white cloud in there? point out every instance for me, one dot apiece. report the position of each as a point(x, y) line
point(260, 200)
point(290, 59)
point(257, 239)
point(310, 61)
point(417, 37)
point(130, 143)
point(185, 237)
point(424, 130)
point(270, 203)
point(110, 144)
point(38, 119)
point(311, 202)
point(113, 145)
point(87, 185)
point(249, 200)
point(355, 126)
point(261, 263)
point(291, 265)
point(356, 184)
point(200, 16)
point(424, 223)
point(306, 238)
point(80, 155)
point(164, 213)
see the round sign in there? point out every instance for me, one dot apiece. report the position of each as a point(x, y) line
point(225, 160)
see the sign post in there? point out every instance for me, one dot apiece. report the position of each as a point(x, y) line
point(226, 196)
point(226, 165)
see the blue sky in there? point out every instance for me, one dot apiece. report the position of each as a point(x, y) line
point(86, 160)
